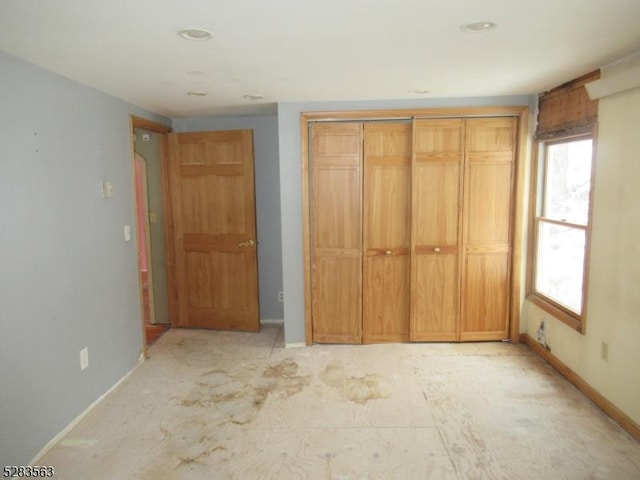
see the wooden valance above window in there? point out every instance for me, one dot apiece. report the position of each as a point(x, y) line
point(567, 110)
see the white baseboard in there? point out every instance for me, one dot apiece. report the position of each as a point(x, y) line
point(295, 345)
point(272, 321)
point(76, 420)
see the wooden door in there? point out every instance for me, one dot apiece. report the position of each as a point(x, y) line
point(488, 192)
point(212, 190)
point(435, 263)
point(336, 288)
point(387, 196)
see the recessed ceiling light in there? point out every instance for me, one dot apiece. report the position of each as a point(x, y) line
point(195, 34)
point(419, 91)
point(478, 27)
point(252, 96)
point(197, 94)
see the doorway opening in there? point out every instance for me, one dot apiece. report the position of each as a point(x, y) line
point(153, 224)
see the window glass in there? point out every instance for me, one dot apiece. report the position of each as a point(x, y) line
point(568, 181)
point(560, 264)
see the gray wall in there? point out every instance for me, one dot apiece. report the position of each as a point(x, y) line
point(68, 280)
point(265, 141)
point(291, 192)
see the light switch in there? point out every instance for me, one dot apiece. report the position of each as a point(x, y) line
point(107, 189)
point(127, 233)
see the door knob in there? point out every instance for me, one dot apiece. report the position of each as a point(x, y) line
point(437, 249)
point(248, 243)
point(388, 252)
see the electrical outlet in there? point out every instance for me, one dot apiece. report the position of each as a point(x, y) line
point(604, 351)
point(281, 296)
point(84, 358)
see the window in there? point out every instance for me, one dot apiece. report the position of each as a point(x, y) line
point(565, 172)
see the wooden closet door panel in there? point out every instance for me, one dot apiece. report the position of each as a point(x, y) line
point(434, 303)
point(386, 201)
point(490, 156)
point(387, 187)
point(489, 202)
point(436, 211)
point(337, 299)
point(435, 265)
point(337, 217)
point(486, 296)
point(337, 232)
point(386, 299)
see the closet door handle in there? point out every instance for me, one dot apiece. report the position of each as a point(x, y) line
point(437, 249)
point(248, 243)
point(387, 253)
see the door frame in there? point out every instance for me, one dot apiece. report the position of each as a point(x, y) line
point(518, 234)
point(162, 130)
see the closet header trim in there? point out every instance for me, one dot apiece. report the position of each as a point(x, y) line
point(410, 114)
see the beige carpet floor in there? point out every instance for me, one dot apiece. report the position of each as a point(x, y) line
point(218, 405)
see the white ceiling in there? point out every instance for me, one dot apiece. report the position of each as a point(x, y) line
point(315, 50)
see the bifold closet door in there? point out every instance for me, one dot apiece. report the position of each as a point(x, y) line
point(386, 268)
point(336, 199)
point(436, 198)
point(411, 229)
point(488, 193)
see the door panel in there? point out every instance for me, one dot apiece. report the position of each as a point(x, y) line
point(489, 206)
point(224, 216)
point(386, 298)
point(435, 305)
point(212, 187)
point(337, 213)
point(436, 210)
point(490, 156)
point(336, 151)
point(435, 268)
point(387, 187)
point(337, 301)
point(386, 201)
point(485, 298)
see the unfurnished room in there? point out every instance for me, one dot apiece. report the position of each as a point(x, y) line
point(348, 239)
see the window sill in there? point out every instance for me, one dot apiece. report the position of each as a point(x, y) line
point(559, 313)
